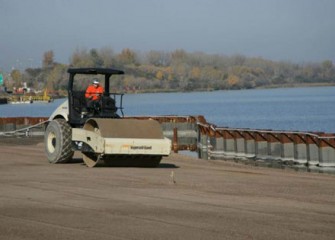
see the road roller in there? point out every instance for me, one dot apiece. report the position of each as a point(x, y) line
point(99, 130)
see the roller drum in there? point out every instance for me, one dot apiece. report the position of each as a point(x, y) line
point(123, 128)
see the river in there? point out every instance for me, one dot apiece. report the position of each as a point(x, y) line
point(301, 109)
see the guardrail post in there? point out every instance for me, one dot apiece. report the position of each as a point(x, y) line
point(249, 145)
point(202, 141)
point(300, 148)
point(229, 144)
point(175, 140)
point(220, 144)
point(327, 152)
point(313, 148)
point(9, 124)
point(287, 153)
point(261, 146)
point(239, 145)
point(216, 143)
point(275, 147)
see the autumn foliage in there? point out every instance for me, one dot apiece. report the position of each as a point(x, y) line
point(178, 71)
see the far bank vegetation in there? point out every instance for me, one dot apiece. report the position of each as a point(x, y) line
point(177, 71)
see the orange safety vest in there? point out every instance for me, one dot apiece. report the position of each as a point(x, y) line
point(95, 92)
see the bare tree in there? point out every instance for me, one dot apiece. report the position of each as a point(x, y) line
point(48, 59)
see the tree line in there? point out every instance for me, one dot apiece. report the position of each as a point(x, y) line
point(176, 71)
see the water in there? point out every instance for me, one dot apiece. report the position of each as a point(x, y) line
point(302, 109)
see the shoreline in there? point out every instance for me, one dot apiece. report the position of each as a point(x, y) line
point(293, 85)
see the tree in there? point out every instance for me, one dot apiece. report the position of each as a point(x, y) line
point(17, 77)
point(96, 59)
point(159, 75)
point(233, 81)
point(32, 76)
point(154, 58)
point(327, 70)
point(195, 73)
point(81, 58)
point(158, 58)
point(179, 56)
point(239, 60)
point(48, 59)
point(56, 79)
point(127, 56)
point(107, 56)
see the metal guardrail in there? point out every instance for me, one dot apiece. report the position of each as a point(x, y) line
point(22, 126)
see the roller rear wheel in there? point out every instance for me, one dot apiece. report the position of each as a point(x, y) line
point(58, 141)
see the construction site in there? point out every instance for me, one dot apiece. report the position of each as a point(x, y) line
point(89, 172)
point(183, 198)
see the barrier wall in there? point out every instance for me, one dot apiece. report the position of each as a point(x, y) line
point(212, 142)
point(12, 124)
point(307, 148)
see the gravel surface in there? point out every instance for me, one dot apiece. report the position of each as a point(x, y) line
point(184, 198)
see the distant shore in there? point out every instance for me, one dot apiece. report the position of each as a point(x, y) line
point(6, 95)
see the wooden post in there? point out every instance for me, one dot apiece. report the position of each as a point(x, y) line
point(175, 140)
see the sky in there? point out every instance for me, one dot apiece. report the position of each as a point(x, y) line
point(300, 31)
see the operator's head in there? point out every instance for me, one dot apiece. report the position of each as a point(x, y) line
point(96, 82)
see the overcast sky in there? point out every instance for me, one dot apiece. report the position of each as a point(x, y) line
point(291, 30)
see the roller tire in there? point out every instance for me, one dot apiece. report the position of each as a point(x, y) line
point(58, 141)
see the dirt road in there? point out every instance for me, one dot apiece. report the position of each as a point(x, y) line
point(185, 198)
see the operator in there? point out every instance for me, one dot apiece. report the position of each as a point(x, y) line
point(93, 93)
